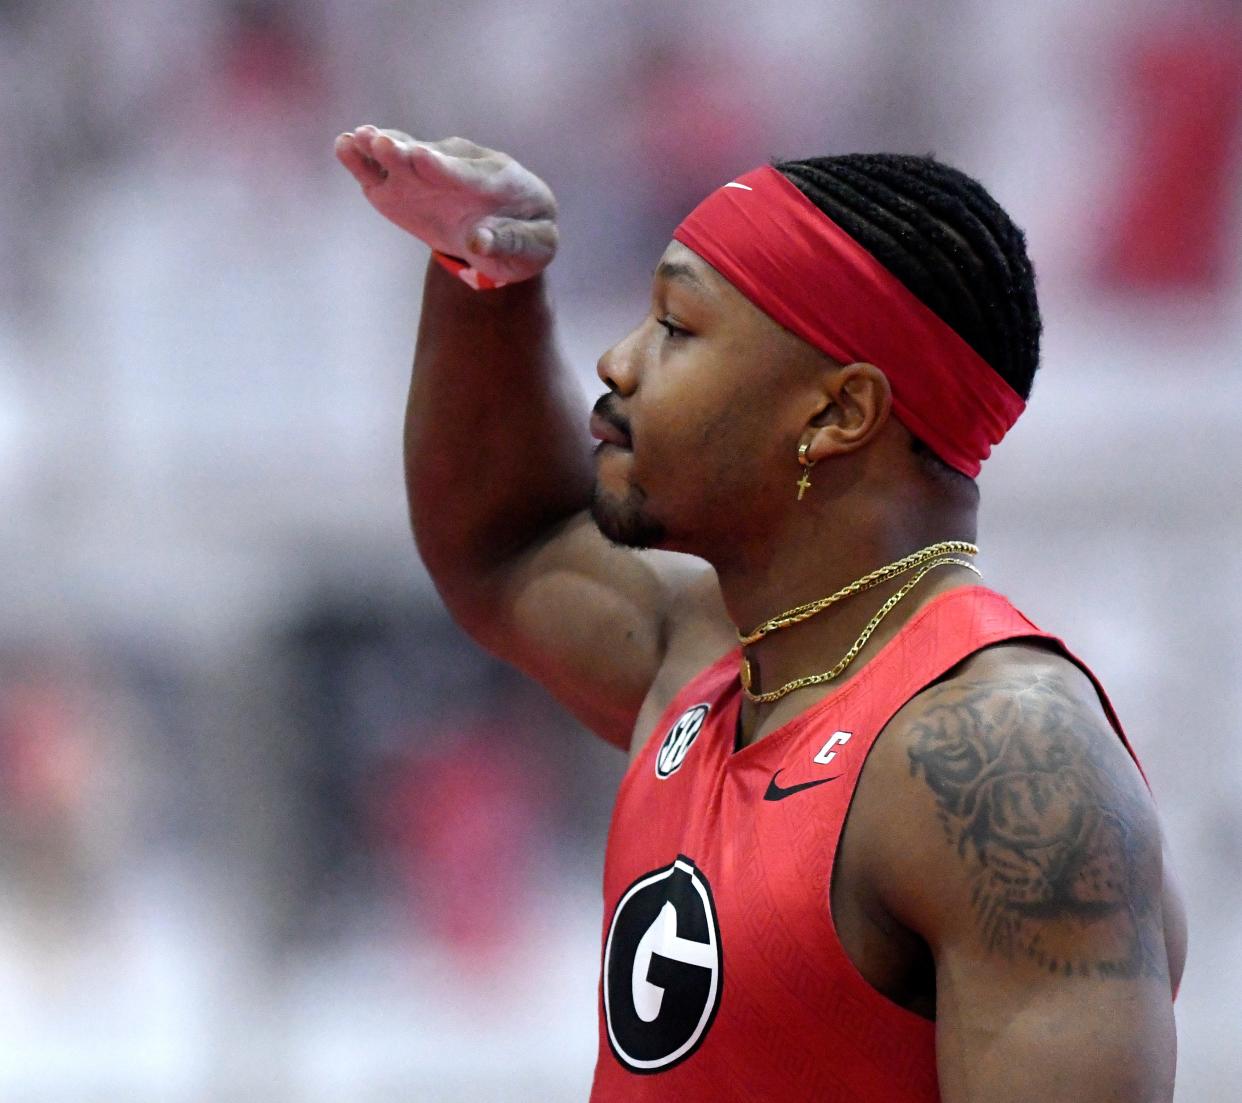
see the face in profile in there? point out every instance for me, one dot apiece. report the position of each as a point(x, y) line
point(706, 399)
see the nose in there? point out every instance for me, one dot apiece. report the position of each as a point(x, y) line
point(616, 368)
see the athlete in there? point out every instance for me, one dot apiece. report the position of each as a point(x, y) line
point(881, 837)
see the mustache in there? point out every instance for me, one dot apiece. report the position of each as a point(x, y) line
point(605, 407)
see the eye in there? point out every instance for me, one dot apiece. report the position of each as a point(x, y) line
point(674, 331)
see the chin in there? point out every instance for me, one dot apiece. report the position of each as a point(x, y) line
point(625, 522)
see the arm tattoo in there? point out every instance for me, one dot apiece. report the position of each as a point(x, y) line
point(1059, 844)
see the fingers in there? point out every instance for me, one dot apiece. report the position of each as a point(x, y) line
point(429, 163)
point(354, 155)
point(394, 150)
point(389, 153)
point(364, 136)
point(450, 159)
point(384, 148)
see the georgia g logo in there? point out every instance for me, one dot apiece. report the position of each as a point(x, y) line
point(663, 968)
point(677, 742)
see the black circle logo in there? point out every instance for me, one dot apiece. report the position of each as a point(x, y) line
point(663, 968)
point(677, 741)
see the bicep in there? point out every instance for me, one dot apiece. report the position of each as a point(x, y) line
point(592, 622)
point(1007, 1032)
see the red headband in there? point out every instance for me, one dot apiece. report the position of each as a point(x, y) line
point(806, 273)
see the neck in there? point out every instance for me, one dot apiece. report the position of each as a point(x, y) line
point(812, 557)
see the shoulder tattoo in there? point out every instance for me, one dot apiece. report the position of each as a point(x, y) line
point(1060, 845)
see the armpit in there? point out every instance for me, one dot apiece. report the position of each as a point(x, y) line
point(1050, 824)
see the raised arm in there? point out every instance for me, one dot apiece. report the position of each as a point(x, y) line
point(497, 454)
point(1040, 891)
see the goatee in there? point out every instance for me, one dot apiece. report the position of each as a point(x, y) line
point(625, 523)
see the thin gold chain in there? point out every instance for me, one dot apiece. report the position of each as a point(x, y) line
point(852, 653)
point(799, 613)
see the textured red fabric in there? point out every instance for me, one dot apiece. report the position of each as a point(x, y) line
point(802, 270)
point(789, 1017)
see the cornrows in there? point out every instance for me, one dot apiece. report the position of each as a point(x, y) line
point(943, 236)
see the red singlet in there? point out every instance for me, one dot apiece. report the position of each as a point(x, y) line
point(723, 978)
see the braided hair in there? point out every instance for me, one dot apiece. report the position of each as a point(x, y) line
point(943, 236)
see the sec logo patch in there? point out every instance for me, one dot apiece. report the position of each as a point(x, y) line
point(679, 739)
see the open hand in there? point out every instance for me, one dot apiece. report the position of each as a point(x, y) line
point(460, 198)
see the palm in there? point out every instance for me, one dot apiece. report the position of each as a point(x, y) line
point(458, 197)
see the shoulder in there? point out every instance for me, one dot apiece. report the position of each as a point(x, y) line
point(1021, 824)
point(1021, 711)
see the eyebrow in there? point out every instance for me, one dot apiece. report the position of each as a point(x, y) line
point(678, 270)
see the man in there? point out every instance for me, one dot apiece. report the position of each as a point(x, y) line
point(880, 838)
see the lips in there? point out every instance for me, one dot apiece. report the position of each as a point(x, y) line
point(607, 427)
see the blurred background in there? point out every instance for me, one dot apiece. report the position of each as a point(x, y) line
point(270, 828)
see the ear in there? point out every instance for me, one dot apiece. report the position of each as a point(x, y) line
point(858, 402)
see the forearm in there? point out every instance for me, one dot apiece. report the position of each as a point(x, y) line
point(496, 445)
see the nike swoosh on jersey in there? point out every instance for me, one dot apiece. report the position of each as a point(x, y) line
point(775, 792)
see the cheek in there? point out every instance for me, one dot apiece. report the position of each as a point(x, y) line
point(719, 461)
point(703, 422)
point(738, 433)
point(695, 437)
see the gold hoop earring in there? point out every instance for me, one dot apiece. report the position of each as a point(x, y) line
point(804, 482)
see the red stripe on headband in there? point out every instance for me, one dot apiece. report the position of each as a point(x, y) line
point(806, 273)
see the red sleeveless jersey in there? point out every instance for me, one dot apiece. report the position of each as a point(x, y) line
point(723, 977)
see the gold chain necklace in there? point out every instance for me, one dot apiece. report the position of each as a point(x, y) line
point(800, 613)
point(852, 653)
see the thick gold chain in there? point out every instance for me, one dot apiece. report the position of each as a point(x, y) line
point(799, 613)
point(852, 653)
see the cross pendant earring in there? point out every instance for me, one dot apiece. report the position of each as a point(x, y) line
point(804, 483)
